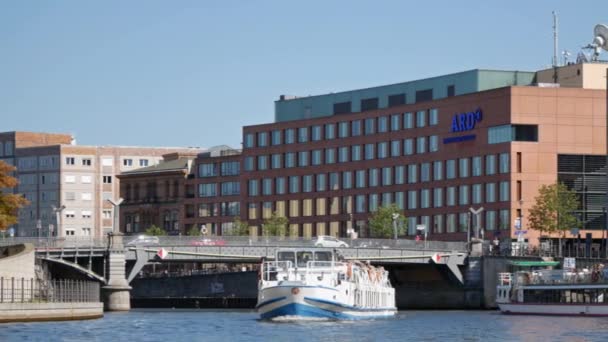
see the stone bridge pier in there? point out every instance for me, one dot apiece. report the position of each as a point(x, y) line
point(116, 291)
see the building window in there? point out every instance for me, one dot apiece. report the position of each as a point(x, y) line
point(424, 95)
point(412, 174)
point(86, 162)
point(373, 202)
point(490, 192)
point(490, 220)
point(450, 196)
point(70, 160)
point(463, 221)
point(412, 197)
point(290, 159)
point(280, 186)
point(421, 145)
point(248, 166)
point(70, 179)
point(369, 104)
point(438, 197)
point(437, 170)
point(330, 131)
point(395, 148)
point(382, 124)
point(399, 200)
point(369, 151)
point(490, 164)
point(343, 153)
point(408, 147)
point(370, 127)
point(307, 183)
point(231, 168)
point(249, 140)
point(504, 191)
point(316, 157)
point(433, 143)
point(387, 176)
point(463, 167)
point(450, 220)
point(507, 133)
point(316, 133)
point(463, 195)
point(143, 162)
point(107, 179)
point(360, 179)
point(347, 180)
point(343, 129)
point(360, 203)
point(395, 122)
point(230, 188)
point(504, 163)
point(303, 134)
point(342, 108)
point(433, 117)
point(356, 152)
point(373, 178)
point(451, 90)
point(438, 224)
point(266, 186)
point(276, 137)
point(334, 181)
point(396, 100)
point(290, 136)
point(127, 162)
point(252, 186)
point(321, 185)
point(330, 156)
point(356, 127)
point(262, 139)
point(450, 166)
point(421, 118)
point(382, 150)
point(408, 120)
point(425, 198)
point(476, 168)
point(207, 190)
point(294, 184)
point(476, 194)
point(400, 174)
point(303, 158)
point(86, 196)
point(425, 172)
point(207, 170)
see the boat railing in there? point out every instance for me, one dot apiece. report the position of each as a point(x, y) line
point(547, 277)
point(505, 279)
point(270, 269)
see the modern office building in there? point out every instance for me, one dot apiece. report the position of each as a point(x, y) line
point(54, 172)
point(436, 148)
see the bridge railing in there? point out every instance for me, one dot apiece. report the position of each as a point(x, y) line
point(22, 290)
point(57, 242)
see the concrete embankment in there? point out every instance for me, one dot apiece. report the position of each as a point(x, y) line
point(36, 312)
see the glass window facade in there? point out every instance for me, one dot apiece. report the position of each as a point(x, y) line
point(438, 197)
point(303, 134)
point(387, 176)
point(373, 178)
point(303, 158)
point(330, 131)
point(504, 163)
point(408, 147)
point(476, 168)
point(433, 143)
point(290, 159)
point(356, 128)
point(356, 151)
point(343, 129)
point(438, 170)
point(408, 120)
point(382, 124)
point(491, 192)
point(400, 174)
point(290, 136)
point(463, 167)
point(382, 150)
point(450, 169)
point(425, 172)
point(330, 156)
point(395, 122)
point(421, 118)
point(490, 164)
point(347, 180)
point(316, 133)
point(360, 179)
point(433, 117)
point(369, 151)
point(343, 154)
point(412, 199)
point(307, 183)
point(276, 137)
point(370, 127)
point(412, 173)
point(317, 157)
point(262, 139)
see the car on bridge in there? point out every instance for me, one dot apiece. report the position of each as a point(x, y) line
point(143, 240)
point(208, 242)
point(329, 241)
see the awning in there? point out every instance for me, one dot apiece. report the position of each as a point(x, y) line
point(528, 263)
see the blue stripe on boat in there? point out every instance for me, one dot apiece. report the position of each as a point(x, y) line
point(270, 301)
point(302, 286)
point(349, 307)
point(297, 309)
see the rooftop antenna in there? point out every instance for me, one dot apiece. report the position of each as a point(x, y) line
point(555, 61)
point(566, 54)
point(600, 41)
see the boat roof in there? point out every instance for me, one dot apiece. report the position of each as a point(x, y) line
point(533, 263)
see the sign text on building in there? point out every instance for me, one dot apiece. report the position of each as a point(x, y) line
point(466, 121)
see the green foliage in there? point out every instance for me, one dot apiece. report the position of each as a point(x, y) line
point(155, 230)
point(240, 228)
point(553, 210)
point(275, 225)
point(194, 232)
point(381, 221)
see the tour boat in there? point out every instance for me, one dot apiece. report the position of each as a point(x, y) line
point(554, 292)
point(317, 283)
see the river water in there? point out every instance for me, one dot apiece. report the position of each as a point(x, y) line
point(235, 325)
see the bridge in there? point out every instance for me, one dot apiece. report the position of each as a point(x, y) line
point(115, 264)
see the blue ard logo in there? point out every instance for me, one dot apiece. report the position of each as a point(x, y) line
point(466, 121)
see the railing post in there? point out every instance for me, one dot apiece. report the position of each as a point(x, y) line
point(22, 289)
point(12, 289)
point(1, 289)
point(31, 289)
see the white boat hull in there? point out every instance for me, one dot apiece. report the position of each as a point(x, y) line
point(555, 309)
point(312, 302)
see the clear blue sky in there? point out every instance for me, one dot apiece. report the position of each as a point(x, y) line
point(192, 73)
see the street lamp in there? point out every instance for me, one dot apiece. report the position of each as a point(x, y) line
point(57, 211)
point(116, 207)
point(395, 217)
point(520, 237)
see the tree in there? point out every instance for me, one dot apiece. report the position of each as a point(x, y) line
point(275, 225)
point(553, 210)
point(155, 230)
point(240, 228)
point(194, 231)
point(9, 203)
point(381, 222)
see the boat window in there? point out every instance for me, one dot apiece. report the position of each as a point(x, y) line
point(303, 258)
point(286, 256)
point(322, 256)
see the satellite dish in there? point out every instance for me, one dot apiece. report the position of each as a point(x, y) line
point(601, 36)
